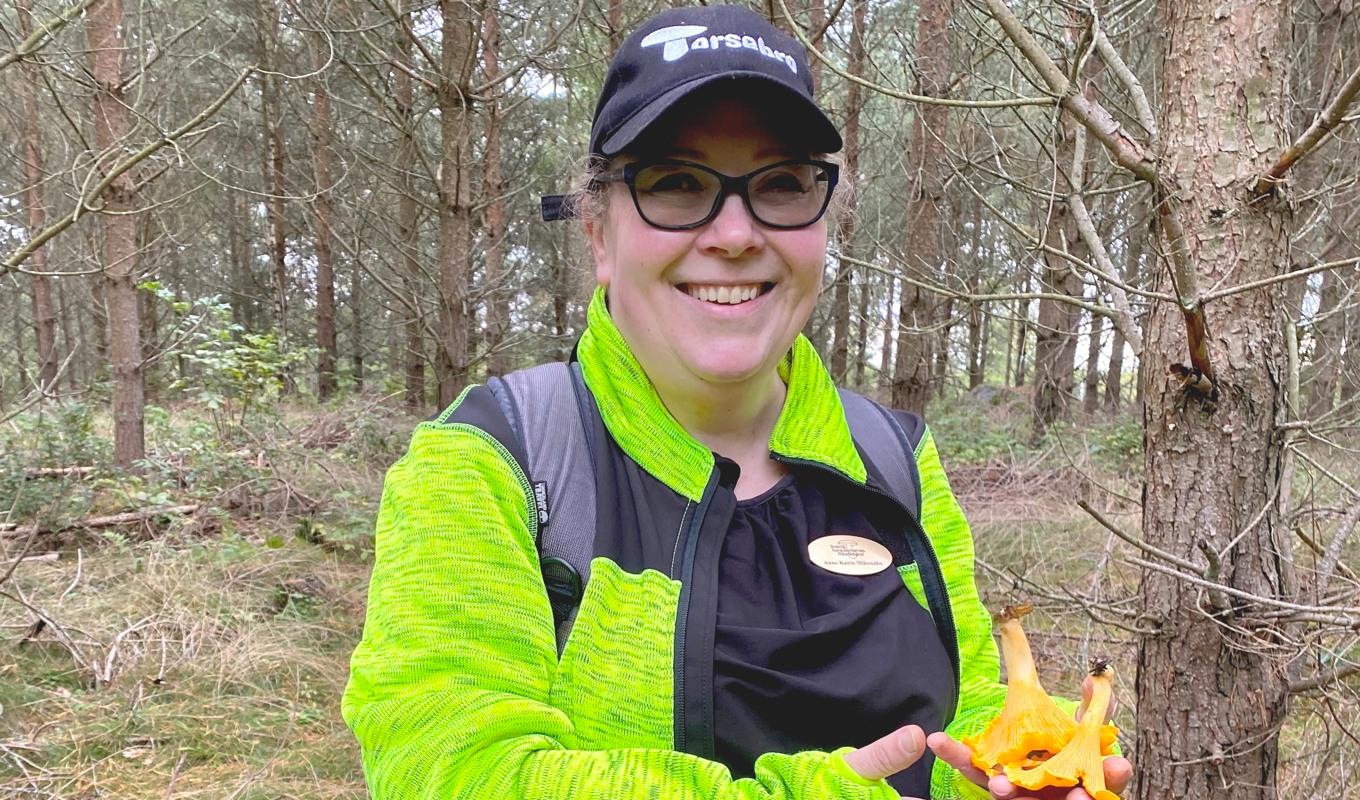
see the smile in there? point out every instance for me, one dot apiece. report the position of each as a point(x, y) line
point(725, 294)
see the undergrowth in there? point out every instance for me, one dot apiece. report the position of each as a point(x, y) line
point(203, 654)
point(196, 654)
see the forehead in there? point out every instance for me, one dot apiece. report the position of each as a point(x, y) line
point(716, 123)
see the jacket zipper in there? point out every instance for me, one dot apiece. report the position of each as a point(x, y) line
point(690, 547)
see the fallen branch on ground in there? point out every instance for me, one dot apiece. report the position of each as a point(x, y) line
point(55, 472)
point(12, 530)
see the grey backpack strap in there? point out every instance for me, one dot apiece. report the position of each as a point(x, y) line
point(886, 443)
point(546, 407)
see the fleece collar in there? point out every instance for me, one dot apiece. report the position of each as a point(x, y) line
point(811, 426)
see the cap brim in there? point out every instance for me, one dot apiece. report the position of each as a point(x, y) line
point(819, 134)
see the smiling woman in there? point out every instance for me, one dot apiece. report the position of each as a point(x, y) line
point(755, 585)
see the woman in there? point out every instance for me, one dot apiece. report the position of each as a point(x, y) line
point(759, 620)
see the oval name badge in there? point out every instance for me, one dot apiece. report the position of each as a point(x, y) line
point(849, 555)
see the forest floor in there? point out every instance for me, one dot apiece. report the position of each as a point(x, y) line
point(202, 652)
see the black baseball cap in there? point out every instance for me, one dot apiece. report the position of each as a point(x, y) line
point(683, 50)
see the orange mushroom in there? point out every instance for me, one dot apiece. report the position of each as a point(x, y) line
point(1082, 760)
point(1030, 726)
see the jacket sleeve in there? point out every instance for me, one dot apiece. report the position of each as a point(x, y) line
point(981, 693)
point(449, 688)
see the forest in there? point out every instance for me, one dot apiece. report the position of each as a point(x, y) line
point(1109, 248)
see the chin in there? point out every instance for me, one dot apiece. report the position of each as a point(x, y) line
point(736, 369)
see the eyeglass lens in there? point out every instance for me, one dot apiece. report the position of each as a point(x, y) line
point(672, 195)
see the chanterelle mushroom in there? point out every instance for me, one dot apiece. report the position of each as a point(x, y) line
point(1030, 726)
point(1082, 759)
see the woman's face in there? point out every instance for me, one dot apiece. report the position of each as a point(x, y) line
point(666, 288)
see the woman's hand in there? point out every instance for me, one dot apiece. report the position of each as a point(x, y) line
point(1118, 770)
point(889, 755)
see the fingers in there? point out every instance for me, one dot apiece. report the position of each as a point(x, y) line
point(1086, 686)
point(957, 755)
point(889, 755)
point(1118, 771)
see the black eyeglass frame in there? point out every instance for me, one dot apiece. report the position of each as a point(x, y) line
point(727, 184)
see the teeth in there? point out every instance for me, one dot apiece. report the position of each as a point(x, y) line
point(725, 295)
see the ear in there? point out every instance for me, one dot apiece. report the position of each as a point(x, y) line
point(600, 249)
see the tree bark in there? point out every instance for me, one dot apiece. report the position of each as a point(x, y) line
point(845, 229)
point(44, 316)
point(888, 356)
point(1021, 325)
point(1090, 395)
point(614, 16)
point(455, 204)
point(976, 319)
point(912, 385)
point(1132, 272)
point(1055, 337)
point(407, 209)
point(1332, 335)
point(356, 311)
point(240, 254)
point(864, 327)
point(274, 168)
point(1211, 693)
point(104, 34)
point(321, 206)
point(496, 295)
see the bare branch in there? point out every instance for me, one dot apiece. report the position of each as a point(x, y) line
point(90, 193)
point(900, 95)
point(1152, 550)
point(1128, 152)
point(1323, 678)
point(1123, 316)
point(1126, 77)
point(1324, 124)
point(43, 33)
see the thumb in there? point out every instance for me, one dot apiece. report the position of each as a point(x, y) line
point(889, 755)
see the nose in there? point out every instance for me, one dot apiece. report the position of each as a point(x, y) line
point(733, 232)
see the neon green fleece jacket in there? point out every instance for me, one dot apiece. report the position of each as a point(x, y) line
point(457, 691)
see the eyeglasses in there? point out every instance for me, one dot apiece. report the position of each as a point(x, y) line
point(680, 195)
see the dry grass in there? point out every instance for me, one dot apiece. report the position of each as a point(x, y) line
point(201, 656)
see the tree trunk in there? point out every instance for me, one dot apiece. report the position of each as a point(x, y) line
point(496, 296)
point(1330, 337)
point(845, 233)
point(104, 33)
point(455, 205)
point(1055, 337)
point(1132, 274)
point(240, 254)
point(325, 265)
point(274, 168)
point(356, 311)
point(614, 16)
point(1212, 692)
point(1021, 324)
point(407, 209)
point(925, 208)
point(864, 327)
point(65, 313)
point(976, 362)
point(44, 317)
point(976, 354)
point(939, 371)
point(1090, 395)
point(888, 356)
